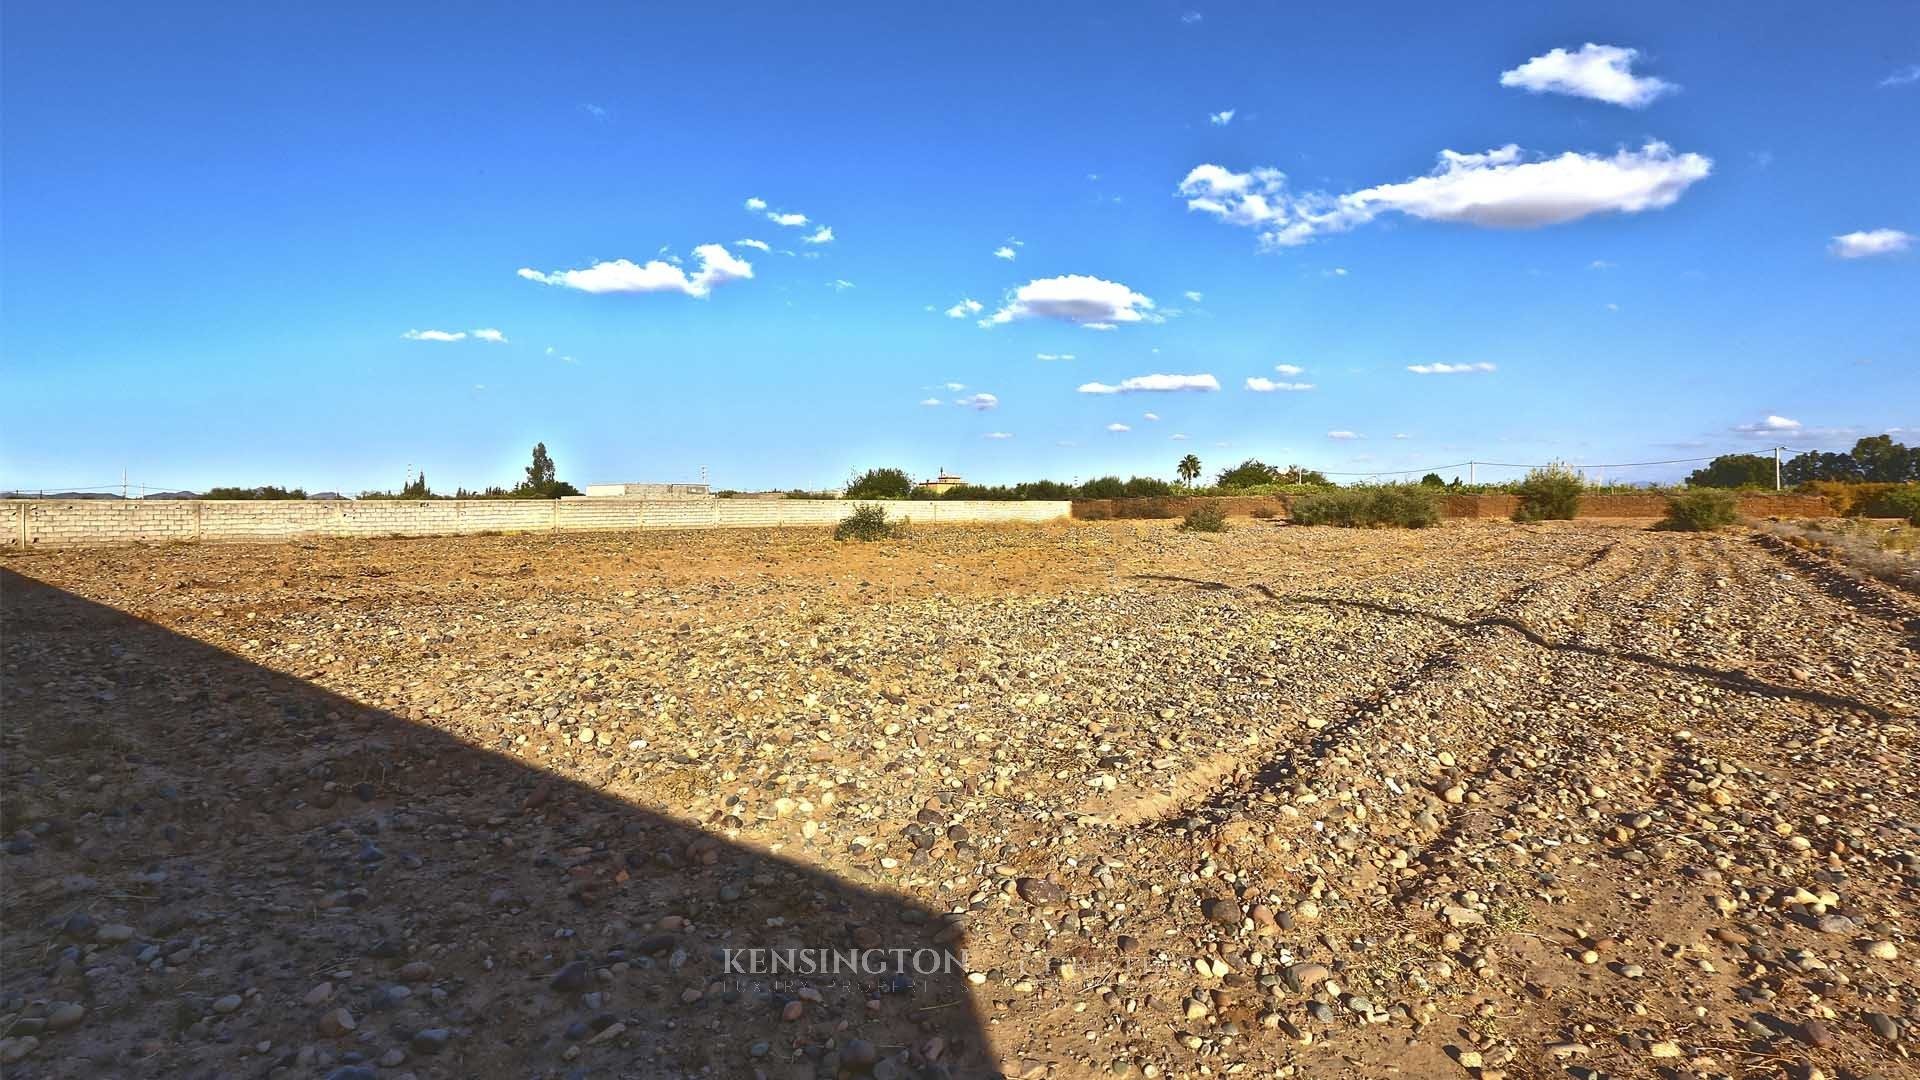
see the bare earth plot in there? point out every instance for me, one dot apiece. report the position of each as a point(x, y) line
point(1485, 800)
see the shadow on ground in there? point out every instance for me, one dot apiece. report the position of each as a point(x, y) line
point(235, 872)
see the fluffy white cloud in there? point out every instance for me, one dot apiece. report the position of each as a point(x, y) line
point(1076, 298)
point(1449, 369)
point(1052, 356)
point(1176, 437)
point(490, 334)
point(717, 267)
point(1118, 427)
point(1770, 425)
point(956, 386)
point(757, 245)
point(930, 401)
point(1289, 369)
point(1903, 76)
point(965, 308)
point(1005, 252)
point(823, 235)
point(435, 335)
point(1221, 118)
point(981, 402)
point(1860, 245)
point(840, 284)
point(1260, 385)
point(1342, 436)
point(1600, 72)
point(1194, 297)
point(1153, 384)
point(756, 204)
point(791, 221)
point(1497, 189)
point(998, 435)
point(1149, 416)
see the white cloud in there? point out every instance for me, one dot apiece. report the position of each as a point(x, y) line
point(1600, 72)
point(1497, 189)
point(1289, 369)
point(1401, 435)
point(490, 334)
point(980, 402)
point(756, 204)
point(1861, 245)
point(1176, 437)
point(956, 386)
point(1005, 252)
point(1193, 297)
point(965, 308)
point(1153, 384)
point(930, 401)
point(840, 284)
point(435, 335)
point(1221, 118)
point(1075, 298)
point(1260, 385)
point(1052, 356)
point(1450, 369)
point(1770, 425)
point(598, 112)
point(758, 245)
point(717, 267)
point(1602, 264)
point(998, 435)
point(1342, 436)
point(789, 220)
point(1150, 416)
point(1191, 17)
point(1903, 76)
point(1338, 271)
point(823, 235)
point(1118, 427)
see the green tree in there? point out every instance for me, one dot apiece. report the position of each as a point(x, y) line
point(542, 480)
point(1189, 469)
point(417, 489)
point(1432, 480)
point(880, 484)
point(1734, 470)
point(1819, 465)
point(1248, 474)
point(1883, 461)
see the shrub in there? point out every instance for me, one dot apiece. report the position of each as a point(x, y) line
point(1549, 494)
point(1207, 517)
point(880, 484)
point(1899, 502)
point(1093, 511)
point(867, 522)
point(1701, 511)
point(1404, 506)
point(1265, 513)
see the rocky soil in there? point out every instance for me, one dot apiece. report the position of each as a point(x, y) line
point(1486, 801)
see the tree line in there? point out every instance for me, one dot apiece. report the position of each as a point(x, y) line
point(1249, 477)
point(1877, 459)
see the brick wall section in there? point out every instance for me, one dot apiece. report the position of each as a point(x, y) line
point(80, 522)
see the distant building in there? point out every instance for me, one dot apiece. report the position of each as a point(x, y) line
point(941, 484)
point(648, 491)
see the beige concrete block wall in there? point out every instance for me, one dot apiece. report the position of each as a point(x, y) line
point(78, 522)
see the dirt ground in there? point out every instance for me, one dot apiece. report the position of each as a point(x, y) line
point(1485, 800)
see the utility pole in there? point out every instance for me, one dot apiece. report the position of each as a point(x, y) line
point(1470, 474)
point(1776, 467)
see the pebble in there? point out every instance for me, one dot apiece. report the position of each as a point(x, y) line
point(65, 1015)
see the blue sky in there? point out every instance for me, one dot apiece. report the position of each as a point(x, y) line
point(220, 226)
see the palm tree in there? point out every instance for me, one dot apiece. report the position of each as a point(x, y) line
point(1189, 470)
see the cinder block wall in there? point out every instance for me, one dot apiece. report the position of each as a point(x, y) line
point(30, 523)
